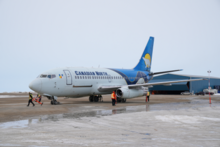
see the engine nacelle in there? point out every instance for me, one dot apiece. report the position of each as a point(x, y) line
point(127, 93)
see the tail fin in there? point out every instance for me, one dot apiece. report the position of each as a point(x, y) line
point(146, 58)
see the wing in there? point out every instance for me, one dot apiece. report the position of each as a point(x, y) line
point(114, 87)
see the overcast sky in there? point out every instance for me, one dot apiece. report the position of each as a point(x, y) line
point(36, 36)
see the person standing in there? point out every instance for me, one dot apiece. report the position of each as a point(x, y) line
point(148, 96)
point(30, 99)
point(113, 95)
point(39, 97)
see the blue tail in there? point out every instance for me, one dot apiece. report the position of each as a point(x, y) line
point(146, 58)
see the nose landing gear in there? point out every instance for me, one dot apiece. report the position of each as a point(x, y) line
point(53, 100)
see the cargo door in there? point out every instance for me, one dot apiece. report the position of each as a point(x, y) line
point(68, 77)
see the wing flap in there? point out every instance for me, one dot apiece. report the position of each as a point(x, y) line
point(163, 83)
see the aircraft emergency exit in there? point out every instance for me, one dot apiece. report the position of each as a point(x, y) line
point(76, 82)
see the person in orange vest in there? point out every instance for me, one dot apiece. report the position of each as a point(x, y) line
point(113, 96)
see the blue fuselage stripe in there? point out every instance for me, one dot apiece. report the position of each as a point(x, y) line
point(132, 76)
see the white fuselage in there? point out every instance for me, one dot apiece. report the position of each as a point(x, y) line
point(77, 81)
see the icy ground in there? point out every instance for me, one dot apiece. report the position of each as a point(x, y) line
point(184, 127)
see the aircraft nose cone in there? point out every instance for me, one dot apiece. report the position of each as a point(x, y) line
point(35, 85)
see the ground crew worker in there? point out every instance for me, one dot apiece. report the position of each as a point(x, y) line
point(39, 97)
point(30, 99)
point(148, 96)
point(113, 96)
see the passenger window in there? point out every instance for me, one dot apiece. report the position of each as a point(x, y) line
point(85, 77)
point(80, 77)
point(49, 76)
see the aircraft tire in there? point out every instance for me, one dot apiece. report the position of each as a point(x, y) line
point(96, 99)
point(51, 103)
point(123, 100)
point(91, 98)
point(57, 103)
point(119, 100)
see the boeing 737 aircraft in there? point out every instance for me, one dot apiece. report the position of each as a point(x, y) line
point(76, 82)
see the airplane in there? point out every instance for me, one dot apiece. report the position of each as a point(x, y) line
point(76, 82)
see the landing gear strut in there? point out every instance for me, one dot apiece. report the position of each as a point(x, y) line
point(95, 98)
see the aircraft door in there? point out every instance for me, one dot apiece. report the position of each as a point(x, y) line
point(68, 77)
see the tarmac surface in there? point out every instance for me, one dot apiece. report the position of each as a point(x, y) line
point(167, 120)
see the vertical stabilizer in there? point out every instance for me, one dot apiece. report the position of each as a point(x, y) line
point(146, 58)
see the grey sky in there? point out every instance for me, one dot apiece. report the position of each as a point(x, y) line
point(36, 36)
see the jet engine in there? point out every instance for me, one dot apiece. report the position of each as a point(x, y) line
point(127, 93)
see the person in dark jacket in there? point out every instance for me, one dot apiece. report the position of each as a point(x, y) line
point(30, 99)
point(148, 96)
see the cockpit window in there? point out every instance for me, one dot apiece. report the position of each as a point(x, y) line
point(51, 76)
point(43, 76)
point(47, 76)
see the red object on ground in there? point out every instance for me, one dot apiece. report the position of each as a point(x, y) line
point(36, 100)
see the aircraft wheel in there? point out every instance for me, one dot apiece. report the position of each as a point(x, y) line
point(119, 100)
point(96, 98)
point(123, 100)
point(91, 98)
point(51, 102)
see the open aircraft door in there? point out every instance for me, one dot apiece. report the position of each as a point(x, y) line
point(68, 77)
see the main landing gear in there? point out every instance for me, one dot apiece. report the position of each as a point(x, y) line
point(98, 98)
point(121, 100)
point(95, 98)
